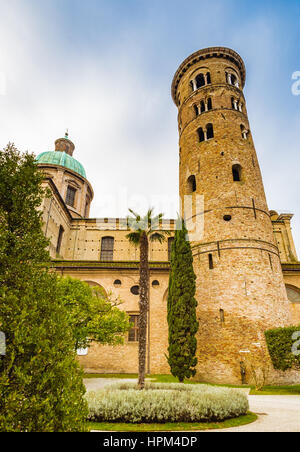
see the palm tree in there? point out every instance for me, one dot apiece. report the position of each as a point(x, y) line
point(143, 230)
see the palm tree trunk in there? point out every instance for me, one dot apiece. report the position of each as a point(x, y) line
point(144, 301)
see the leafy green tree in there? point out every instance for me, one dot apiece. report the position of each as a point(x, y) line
point(40, 381)
point(144, 229)
point(182, 320)
point(93, 315)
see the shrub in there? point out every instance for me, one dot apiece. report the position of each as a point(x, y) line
point(280, 343)
point(162, 403)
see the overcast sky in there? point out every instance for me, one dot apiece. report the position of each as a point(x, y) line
point(103, 69)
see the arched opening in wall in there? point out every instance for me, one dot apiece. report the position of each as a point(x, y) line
point(293, 293)
point(209, 104)
point(208, 78)
point(234, 80)
point(233, 103)
point(107, 249)
point(196, 109)
point(98, 288)
point(191, 185)
point(200, 81)
point(201, 134)
point(237, 172)
point(202, 106)
point(170, 244)
point(244, 132)
point(210, 131)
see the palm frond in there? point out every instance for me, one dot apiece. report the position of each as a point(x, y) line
point(134, 237)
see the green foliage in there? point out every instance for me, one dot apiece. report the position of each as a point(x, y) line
point(165, 403)
point(40, 381)
point(93, 315)
point(280, 343)
point(182, 320)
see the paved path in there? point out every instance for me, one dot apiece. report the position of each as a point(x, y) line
point(275, 413)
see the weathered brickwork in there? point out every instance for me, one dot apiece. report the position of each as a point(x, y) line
point(243, 293)
point(237, 261)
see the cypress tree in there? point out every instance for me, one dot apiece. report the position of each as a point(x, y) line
point(182, 320)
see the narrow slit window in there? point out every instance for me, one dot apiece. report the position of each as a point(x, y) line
point(222, 316)
point(59, 239)
point(210, 261)
point(271, 262)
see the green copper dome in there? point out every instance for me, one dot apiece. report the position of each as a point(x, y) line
point(61, 159)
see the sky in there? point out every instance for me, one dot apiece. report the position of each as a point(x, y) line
point(103, 69)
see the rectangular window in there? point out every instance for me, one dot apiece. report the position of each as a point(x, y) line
point(70, 198)
point(133, 334)
point(107, 249)
point(59, 240)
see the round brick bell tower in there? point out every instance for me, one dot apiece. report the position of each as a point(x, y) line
point(240, 288)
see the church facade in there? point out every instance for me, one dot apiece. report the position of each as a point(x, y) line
point(248, 273)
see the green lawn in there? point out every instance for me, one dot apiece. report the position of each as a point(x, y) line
point(267, 390)
point(179, 426)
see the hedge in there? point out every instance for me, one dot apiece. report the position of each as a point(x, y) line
point(280, 343)
point(173, 403)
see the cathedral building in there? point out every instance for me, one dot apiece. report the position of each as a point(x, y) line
point(248, 274)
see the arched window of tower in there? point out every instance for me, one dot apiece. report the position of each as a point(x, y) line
point(237, 172)
point(232, 79)
point(209, 131)
point(201, 135)
point(234, 103)
point(244, 132)
point(196, 108)
point(200, 81)
point(202, 106)
point(209, 104)
point(191, 185)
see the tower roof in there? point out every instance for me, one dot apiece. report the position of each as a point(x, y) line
point(203, 54)
point(61, 159)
